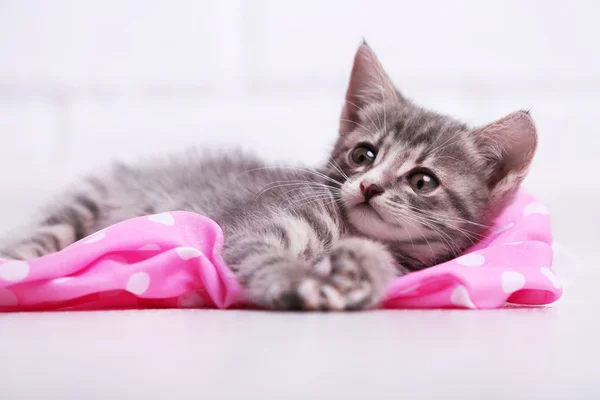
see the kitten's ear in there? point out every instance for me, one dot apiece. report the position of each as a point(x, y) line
point(368, 84)
point(508, 146)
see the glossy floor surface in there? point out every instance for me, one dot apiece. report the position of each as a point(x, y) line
point(549, 353)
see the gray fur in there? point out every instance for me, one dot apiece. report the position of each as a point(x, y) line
point(302, 238)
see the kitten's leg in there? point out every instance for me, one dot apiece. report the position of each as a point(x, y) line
point(267, 268)
point(69, 219)
point(353, 275)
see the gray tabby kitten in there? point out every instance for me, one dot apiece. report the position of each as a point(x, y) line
point(406, 188)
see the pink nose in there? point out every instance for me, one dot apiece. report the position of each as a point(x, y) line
point(370, 191)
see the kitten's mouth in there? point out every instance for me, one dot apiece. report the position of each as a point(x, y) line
point(373, 221)
point(369, 210)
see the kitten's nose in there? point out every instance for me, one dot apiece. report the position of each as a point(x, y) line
point(370, 191)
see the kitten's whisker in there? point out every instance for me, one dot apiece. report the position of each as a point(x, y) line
point(279, 184)
point(300, 197)
point(305, 201)
point(449, 220)
point(443, 129)
point(337, 167)
point(444, 237)
point(319, 174)
point(275, 184)
point(363, 111)
point(310, 188)
point(428, 224)
point(314, 190)
point(402, 221)
point(470, 235)
point(435, 215)
point(361, 125)
point(420, 232)
point(300, 169)
point(447, 143)
point(384, 107)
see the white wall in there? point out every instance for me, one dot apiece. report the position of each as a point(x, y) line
point(85, 81)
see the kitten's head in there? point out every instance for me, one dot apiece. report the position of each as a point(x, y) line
point(424, 182)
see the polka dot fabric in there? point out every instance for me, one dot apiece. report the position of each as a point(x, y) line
point(172, 260)
point(164, 260)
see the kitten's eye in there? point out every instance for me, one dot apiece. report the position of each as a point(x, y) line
point(363, 155)
point(422, 182)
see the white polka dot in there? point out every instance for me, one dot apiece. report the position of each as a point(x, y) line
point(535, 208)
point(505, 228)
point(14, 270)
point(550, 275)
point(471, 260)
point(96, 237)
point(460, 297)
point(512, 281)
point(149, 247)
point(163, 218)
point(62, 280)
point(186, 253)
point(7, 298)
point(190, 300)
point(138, 283)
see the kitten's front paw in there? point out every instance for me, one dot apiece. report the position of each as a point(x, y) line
point(354, 275)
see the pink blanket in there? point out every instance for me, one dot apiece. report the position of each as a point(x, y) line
point(173, 260)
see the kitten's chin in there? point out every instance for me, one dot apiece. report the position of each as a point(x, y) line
point(369, 222)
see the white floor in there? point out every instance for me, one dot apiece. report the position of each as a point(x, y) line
point(549, 353)
point(546, 353)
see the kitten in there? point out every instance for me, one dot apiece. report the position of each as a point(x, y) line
point(405, 188)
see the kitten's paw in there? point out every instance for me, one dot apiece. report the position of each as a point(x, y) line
point(354, 275)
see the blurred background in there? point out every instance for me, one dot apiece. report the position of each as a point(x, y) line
point(84, 82)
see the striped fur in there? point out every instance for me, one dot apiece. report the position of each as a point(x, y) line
point(301, 238)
